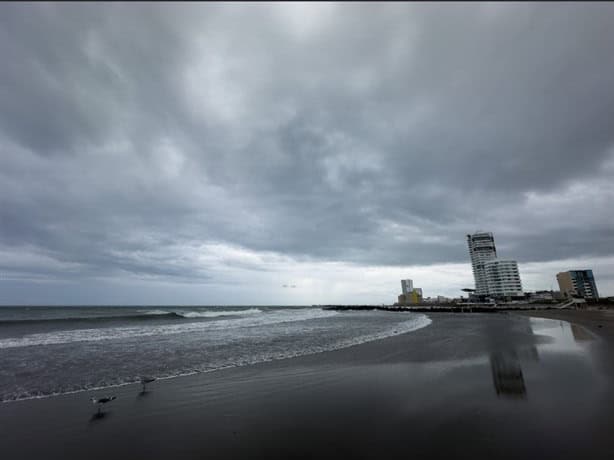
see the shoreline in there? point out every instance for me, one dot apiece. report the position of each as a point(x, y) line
point(590, 319)
point(433, 386)
point(593, 320)
point(355, 342)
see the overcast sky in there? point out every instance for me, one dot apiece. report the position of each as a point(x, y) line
point(213, 153)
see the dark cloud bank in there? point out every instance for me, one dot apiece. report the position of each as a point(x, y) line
point(378, 135)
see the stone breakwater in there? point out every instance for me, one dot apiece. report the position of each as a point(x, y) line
point(444, 308)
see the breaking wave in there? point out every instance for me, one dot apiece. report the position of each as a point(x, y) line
point(251, 318)
point(417, 321)
point(140, 315)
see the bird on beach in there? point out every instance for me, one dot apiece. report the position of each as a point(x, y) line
point(145, 381)
point(102, 401)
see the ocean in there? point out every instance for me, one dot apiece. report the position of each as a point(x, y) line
point(47, 351)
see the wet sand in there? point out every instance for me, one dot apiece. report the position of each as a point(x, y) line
point(467, 386)
point(600, 322)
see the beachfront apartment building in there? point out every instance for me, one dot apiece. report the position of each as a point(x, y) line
point(578, 283)
point(502, 278)
point(481, 250)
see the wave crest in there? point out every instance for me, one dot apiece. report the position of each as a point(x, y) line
point(179, 327)
point(215, 314)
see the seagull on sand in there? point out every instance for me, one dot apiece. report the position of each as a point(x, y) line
point(102, 401)
point(146, 380)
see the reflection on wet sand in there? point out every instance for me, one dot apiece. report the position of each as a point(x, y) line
point(508, 379)
point(580, 334)
point(565, 337)
point(506, 369)
point(507, 374)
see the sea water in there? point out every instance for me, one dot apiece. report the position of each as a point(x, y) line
point(47, 351)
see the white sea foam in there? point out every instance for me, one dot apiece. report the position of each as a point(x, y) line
point(216, 314)
point(124, 332)
point(156, 312)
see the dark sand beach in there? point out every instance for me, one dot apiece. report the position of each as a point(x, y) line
point(467, 386)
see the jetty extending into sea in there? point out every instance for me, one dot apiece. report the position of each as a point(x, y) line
point(461, 307)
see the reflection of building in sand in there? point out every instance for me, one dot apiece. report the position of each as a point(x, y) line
point(507, 374)
point(579, 333)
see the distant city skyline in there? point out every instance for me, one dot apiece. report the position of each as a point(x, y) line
point(207, 154)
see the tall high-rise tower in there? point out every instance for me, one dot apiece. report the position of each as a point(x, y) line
point(481, 249)
point(407, 286)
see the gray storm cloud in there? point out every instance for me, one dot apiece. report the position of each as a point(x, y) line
point(132, 136)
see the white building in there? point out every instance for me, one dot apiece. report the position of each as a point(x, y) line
point(407, 286)
point(481, 249)
point(502, 278)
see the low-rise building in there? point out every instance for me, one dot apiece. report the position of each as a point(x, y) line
point(437, 299)
point(543, 296)
point(413, 298)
